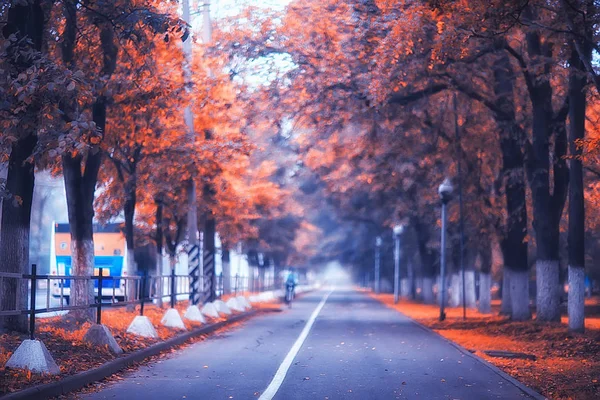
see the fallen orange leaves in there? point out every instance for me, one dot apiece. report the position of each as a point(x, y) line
point(64, 339)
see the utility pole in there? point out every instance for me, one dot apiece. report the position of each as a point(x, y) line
point(445, 192)
point(193, 250)
point(398, 229)
point(209, 250)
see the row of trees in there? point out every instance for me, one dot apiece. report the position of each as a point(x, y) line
point(95, 91)
point(387, 97)
point(362, 108)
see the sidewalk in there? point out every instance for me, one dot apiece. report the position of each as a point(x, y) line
point(64, 341)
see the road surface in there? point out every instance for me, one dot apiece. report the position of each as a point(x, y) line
point(342, 346)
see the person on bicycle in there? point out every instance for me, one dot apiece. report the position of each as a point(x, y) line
point(291, 282)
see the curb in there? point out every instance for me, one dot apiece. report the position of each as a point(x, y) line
point(78, 381)
point(521, 386)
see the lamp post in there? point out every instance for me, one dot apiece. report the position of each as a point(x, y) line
point(397, 232)
point(445, 192)
point(377, 262)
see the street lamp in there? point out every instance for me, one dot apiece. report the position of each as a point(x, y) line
point(377, 262)
point(398, 229)
point(445, 192)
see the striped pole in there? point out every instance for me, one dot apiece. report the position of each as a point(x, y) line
point(194, 272)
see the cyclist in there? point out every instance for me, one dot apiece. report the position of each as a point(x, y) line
point(290, 286)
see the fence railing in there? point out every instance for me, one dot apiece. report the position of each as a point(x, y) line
point(116, 291)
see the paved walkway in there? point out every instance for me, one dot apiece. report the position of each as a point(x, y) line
point(356, 349)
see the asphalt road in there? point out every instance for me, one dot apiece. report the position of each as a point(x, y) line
point(356, 349)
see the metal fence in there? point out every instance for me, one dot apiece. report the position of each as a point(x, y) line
point(114, 291)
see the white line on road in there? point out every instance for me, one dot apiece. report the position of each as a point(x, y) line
point(275, 384)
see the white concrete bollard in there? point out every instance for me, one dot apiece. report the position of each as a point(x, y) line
point(210, 310)
point(235, 305)
point(193, 314)
point(99, 335)
point(34, 356)
point(244, 301)
point(172, 319)
point(141, 326)
point(222, 307)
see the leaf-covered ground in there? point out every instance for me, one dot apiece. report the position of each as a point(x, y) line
point(567, 364)
point(63, 338)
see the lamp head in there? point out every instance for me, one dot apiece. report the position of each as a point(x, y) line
point(445, 191)
point(398, 229)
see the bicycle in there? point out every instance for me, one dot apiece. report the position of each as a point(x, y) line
point(289, 295)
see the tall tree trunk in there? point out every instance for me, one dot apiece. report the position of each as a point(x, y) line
point(261, 278)
point(226, 263)
point(14, 248)
point(3, 176)
point(404, 274)
point(485, 278)
point(456, 287)
point(547, 265)
point(80, 183)
point(576, 236)
point(80, 197)
point(427, 260)
point(24, 20)
point(159, 252)
point(470, 290)
point(506, 302)
point(547, 207)
point(251, 278)
point(455, 299)
point(129, 211)
point(515, 287)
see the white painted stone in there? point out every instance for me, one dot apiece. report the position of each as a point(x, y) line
point(100, 336)
point(222, 307)
point(254, 299)
point(210, 310)
point(193, 314)
point(172, 319)
point(235, 305)
point(141, 326)
point(34, 356)
point(244, 301)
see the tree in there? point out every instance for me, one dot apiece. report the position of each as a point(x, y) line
point(145, 122)
point(581, 54)
point(21, 50)
point(103, 26)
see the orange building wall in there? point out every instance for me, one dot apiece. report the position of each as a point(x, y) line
point(106, 244)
